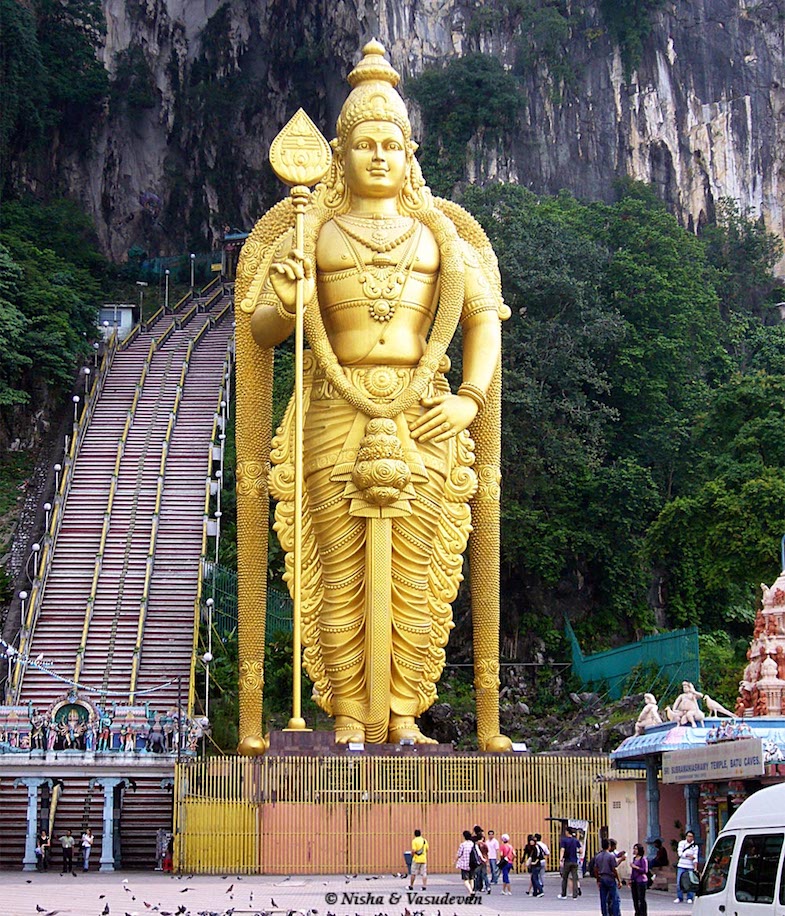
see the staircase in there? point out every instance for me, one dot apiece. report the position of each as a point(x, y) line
point(110, 541)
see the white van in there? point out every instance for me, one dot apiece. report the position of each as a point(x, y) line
point(744, 875)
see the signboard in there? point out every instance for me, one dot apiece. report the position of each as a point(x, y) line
point(714, 762)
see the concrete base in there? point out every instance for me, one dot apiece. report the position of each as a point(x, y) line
point(322, 744)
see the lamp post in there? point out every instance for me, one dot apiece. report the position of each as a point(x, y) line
point(86, 371)
point(23, 600)
point(210, 608)
point(217, 533)
point(36, 548)
point(58, 468)
point(75, 399)
point(193, 260)
point(48, 512)
point(166, 291)
point(207, 658)
point(219, 477)
point(95, 354)
point(141, 284)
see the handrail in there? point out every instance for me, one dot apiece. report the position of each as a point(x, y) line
point(200, 578)
point(217, 317)
point(206, 306)
point(181, 302)
point(160, 341)
point(28, 625)
point(153, 318)
point(149, 566)
point(210, 285)
point(187, 316)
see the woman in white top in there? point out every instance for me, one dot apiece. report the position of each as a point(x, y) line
point(688, 862)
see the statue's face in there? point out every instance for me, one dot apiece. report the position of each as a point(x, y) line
point(375, 159)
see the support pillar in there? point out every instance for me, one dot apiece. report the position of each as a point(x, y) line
point(691, 795)
point(711, 811)
point(29, 862)
point(107, 837)
point(652, 802)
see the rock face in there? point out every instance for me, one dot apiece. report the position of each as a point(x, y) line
point(701, 116)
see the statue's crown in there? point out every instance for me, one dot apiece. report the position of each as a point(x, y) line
point(373, 96)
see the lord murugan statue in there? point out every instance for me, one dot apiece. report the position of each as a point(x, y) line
point(397, 471)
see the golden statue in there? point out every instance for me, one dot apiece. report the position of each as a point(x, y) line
point(397, 471)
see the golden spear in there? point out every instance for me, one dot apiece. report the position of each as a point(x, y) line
point(300, 156)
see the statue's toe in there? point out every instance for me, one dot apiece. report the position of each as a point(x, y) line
point(498, 744)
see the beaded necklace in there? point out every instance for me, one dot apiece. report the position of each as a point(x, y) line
point(376, 234)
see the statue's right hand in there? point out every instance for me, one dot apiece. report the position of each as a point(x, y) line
point(287, 272)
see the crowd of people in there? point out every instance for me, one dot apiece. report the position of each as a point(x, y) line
point(482, 860)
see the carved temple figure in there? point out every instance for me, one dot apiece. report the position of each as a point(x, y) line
point(716, 709)
point(398, 469)
point(649, 715)
point(686, 708)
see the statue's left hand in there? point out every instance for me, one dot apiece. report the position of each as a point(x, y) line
point(446, 416)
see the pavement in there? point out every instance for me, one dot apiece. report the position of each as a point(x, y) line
point(142, 893)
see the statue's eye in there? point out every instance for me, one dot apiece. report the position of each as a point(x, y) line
point(362, 144)
point(394, 145)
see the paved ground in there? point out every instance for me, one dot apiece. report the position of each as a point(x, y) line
point(142, 893)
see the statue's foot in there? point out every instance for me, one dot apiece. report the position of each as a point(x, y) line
point(498, 744)
point(252, 746)
point(403, 728)
point(348, 730)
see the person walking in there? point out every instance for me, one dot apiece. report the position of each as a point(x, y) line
point(537, 866)
point(480, 862)
point(463, 861)
point(493, 856)
point(569, 853)
point(507, 860)
point(527, 855)
point(639, 880)
point(687, 853)
point(419, 860)
point(67, 844)
point(608, 881)
point(87, 845)
point(545, 852)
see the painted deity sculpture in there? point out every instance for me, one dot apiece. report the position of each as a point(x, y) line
point(398, 469)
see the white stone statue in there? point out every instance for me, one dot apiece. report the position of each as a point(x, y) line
point(716, 709)
point(687, 706)
point(649, 715)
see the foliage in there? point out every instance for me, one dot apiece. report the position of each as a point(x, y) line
point(473, 95)
point(629, 24)
point(133, 86)
point(722, 661)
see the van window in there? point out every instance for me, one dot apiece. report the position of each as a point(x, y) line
point(715, 874)
point(756, 873)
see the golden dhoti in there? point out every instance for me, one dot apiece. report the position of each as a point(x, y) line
point(423, 534)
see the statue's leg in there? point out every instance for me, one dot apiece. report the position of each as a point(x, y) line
point(413, 545)
point(340, 541)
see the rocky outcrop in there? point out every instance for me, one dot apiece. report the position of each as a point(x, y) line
point(701, 115)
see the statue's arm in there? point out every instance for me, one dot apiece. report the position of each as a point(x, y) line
point(273, 318)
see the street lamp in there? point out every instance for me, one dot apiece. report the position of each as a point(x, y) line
point(86, 371)
point(206, 659)
point(35, 548)
point(219, 474)
point(58, 468)
point(75, 399)
point(47, 510)
point(166, 291)
point(193, 259)
point(141, 284)
point(23, 599)
point(217, 533)
point(96, 346)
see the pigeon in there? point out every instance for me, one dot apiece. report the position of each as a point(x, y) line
point(40, 909)
point(274, 904)
point(228, 889)
point(29, 881)
point(105, 911)
point(185, 890)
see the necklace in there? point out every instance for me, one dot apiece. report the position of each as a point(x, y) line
point(376, 238)
point(383, 280)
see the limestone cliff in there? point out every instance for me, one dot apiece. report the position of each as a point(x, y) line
point(700, 114)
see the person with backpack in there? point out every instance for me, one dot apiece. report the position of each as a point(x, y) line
point(506, 861)
point(536, 864)
point(463, 861)
point(688, 862)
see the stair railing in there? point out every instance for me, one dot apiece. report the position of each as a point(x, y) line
point(55, 521)
point(223, 395)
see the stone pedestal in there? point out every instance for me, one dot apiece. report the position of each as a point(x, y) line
point(322, 744)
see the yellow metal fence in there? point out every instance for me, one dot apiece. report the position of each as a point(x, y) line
point(356, 815)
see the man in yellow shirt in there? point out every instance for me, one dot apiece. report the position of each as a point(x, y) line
point(419, 860)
